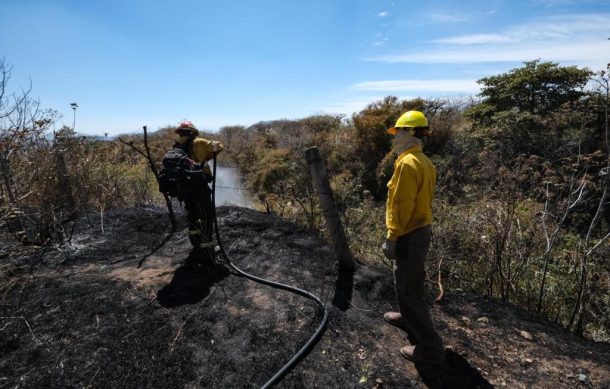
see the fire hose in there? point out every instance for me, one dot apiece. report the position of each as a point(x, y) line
point(278, 285)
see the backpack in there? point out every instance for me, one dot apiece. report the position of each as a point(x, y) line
point(180, 177)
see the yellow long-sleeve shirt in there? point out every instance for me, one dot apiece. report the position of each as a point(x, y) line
point(410, 193)
point(201, 151)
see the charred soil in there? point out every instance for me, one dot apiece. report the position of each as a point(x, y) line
point(129, 308)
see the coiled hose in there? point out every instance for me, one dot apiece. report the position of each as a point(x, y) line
point(312, 340)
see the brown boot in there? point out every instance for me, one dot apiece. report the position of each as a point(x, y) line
point(413, 355)
point(394, 318)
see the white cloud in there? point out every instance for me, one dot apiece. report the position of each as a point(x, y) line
point(562, 27)
point(447, 18)
point(553, 3)
point(585, 53)
point(549, 28)
point(430, 86)
point(380, 42)
point(579, 39)
point(474, 39)
point(383, 14)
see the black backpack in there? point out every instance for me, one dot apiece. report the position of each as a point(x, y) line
point(180, 177)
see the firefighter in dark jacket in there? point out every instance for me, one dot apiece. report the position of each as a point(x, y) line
point(198, 201)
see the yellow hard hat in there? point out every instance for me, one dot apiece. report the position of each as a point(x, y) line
point(410, 119)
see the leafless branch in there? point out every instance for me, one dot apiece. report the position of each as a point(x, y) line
point(598, 243)
point(151, 164)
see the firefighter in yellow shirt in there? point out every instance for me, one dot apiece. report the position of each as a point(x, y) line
point(198, 204)
point(408, 220)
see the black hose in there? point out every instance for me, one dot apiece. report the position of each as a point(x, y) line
point(301, 353)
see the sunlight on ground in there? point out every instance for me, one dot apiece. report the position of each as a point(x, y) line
point(158, 273)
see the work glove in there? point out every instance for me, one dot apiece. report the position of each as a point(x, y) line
point(215, 146)
point(389, 249)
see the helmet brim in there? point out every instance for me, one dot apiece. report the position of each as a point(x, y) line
point(186, 131)
point(394, 130)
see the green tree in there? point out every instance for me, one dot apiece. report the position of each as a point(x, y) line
point(531, 109)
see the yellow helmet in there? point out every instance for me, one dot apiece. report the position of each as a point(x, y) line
point(410, 119)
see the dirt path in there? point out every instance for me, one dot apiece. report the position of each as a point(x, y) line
point(97, 320)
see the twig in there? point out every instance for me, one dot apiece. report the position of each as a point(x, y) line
point(441, 290)
point(26, 323)
point(95, 375)
point(362, 309)
point(178, 333)
point(130, 144)
point(128, 335)
point(598, 243)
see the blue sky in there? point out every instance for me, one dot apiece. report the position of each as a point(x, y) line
point(130, 63)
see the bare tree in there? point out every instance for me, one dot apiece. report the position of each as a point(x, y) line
point(22, 122)
point(589, 247)
point(151, 164)
point(22, 127)
point(577, 194)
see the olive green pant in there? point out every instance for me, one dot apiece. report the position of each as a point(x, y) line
point(409, 276)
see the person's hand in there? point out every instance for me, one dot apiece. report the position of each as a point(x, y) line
point(389, 249)
point(215, 146)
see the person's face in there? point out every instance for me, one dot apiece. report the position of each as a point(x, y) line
point(401, 139)
point(184, 136)
point(402, 134)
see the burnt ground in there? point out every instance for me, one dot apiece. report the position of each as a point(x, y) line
point(85, 315)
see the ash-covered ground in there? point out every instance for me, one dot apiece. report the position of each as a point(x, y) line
point(126, 309)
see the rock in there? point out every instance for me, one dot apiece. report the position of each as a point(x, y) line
point(483, 319)
point(465, 319)
point(361, 354)
point(582, 378)
point(526, 335)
